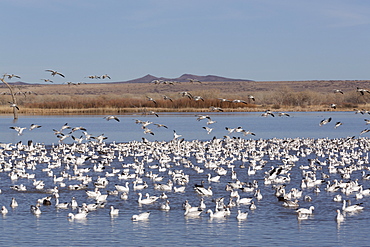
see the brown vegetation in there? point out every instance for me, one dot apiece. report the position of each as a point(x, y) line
point(131, 97)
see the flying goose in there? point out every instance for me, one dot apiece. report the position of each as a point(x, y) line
point(54, 72)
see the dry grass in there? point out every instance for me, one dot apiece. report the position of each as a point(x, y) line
point(131, 97)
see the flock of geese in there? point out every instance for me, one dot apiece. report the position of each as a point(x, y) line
point(218, 178)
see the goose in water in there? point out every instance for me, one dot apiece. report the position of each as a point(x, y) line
point(113, 211)
point(305, 210)
point(124, 196)
point(337, 198)
point(217, 214)
point(142, 216)
point(252, 206)
point(74, 203)
point(166, 206)
point(122, 188)
point(145, 200)
point(241, 215)
point(14, 203)
point(213, 179)
point(35, 210)
point(202, 205)
point(190, 212)
point(340, 216)
point(203, 191)
point(245, 200)
point(4, 210)
point(290, 204)
point(63, 205)
point(78, 216)
point(351, 208)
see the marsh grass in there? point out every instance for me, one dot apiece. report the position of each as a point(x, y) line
point(131, 98)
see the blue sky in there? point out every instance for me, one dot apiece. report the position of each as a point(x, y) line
point(260, 40)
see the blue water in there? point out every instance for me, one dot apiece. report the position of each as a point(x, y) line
point(270, 224)
point(300, 124)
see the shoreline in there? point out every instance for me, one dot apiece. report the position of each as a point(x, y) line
point(149, 111)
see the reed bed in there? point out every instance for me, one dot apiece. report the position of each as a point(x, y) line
point(117, 99)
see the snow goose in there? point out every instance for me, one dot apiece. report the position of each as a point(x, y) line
point(245, 200)
point(337, 198)
point(142, 216)
point(35, 210)
point(217, 214)
point(203, 191)
point(166, 206)
point(351, 208)
point(241, 215)
point(58, 205)
point(4, 210)
point(213, 179)
point(305, 210)
point(79, 216)
point(74, 203)
point(14, 203)
point(252, 206)
point(290, 204)
point(113, 211)
point(340, 216)
point(202, 205)
point(122, 188)
point(145, 200)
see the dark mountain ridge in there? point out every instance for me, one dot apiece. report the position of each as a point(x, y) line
point(182, 78)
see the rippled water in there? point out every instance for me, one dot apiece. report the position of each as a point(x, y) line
point(270, 224)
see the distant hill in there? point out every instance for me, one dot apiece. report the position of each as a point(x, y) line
point(184, 78)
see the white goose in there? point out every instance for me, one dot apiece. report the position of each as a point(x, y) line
point(305, 210)
point(58, 205)
point(35, 210)
point(245, 200)
point(351, 208)
point(122, 188)
point(166, 206)
point(340, 216)
point(203, 191)
point(217, 214)
point(78, 216)
point(142, 216)
point(213, 179)
point(145, 200)
point(74, 203)
point(241, 215)
point(113, 211)
point(4, 210)
point(14, 203)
